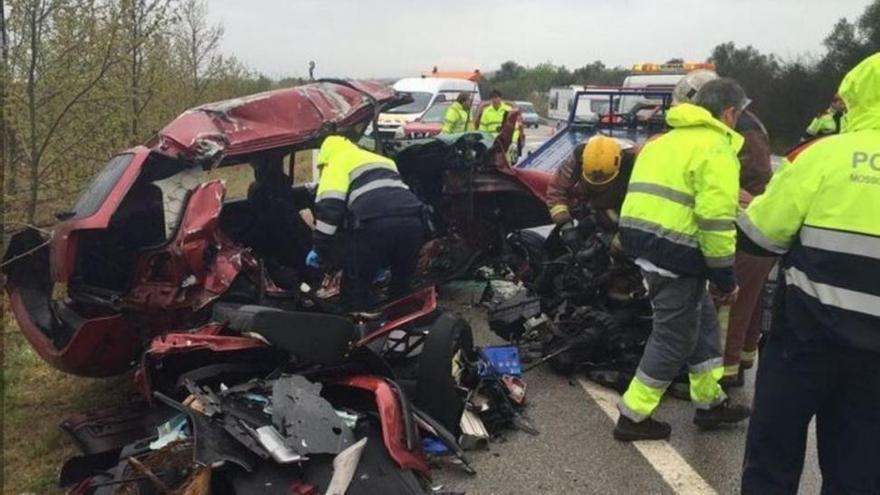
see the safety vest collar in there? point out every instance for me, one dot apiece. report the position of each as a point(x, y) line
point(689, 115)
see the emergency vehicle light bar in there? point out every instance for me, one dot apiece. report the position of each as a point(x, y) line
point(686, 67)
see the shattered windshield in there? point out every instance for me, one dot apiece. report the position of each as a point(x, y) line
point(93, 197)
point(418, 105)
point(435, 114)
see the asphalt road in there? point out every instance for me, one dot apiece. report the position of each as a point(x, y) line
point(575, 453)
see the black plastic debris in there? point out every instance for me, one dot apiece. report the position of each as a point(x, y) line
point(308, 423)
point(507, 317)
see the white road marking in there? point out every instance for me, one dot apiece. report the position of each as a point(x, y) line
point(668, 463)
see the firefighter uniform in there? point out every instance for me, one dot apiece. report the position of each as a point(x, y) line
point(678, 222)
point(823, 355)
point(362, 193)
point(457, 119)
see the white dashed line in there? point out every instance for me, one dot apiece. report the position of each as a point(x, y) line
point(668, 463)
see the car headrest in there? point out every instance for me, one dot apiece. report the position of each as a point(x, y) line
point(312, 338)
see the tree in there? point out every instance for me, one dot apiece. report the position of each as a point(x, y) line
point(199, 44)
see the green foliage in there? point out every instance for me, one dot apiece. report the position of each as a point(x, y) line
point(786, 95)
point(532, 83)
point(89, 78)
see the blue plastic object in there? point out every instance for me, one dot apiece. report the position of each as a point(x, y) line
point(501, 360)
point(313, 260)
point(432, 446)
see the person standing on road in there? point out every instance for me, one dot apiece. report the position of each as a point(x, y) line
point(492, 116)
point(822, 357)
point(677, 221)
point(361, 193)
point(596, 174)
point(828, 122)
point(457, 118)
point(741, 326)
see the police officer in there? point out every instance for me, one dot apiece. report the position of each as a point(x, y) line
point(822, 358)
point(458, 116)
point(596, 174)
point(828, 122)
point(677, 221)
point(362, 193)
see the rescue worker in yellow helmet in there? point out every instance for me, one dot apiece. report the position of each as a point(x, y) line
point(677, 221)
point(822, 358)
point(361, 194)
point(457, 118)
point(828, 122)
point(596, 175)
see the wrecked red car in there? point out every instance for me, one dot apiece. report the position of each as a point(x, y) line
point(151, 243)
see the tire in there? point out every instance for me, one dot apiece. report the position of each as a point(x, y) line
point(448, 347)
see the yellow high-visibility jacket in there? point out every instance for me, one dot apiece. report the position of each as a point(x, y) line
point(822, 211)
point(456, 119)
point(682, 198)
point(491, 119)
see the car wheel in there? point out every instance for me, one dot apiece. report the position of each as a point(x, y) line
point(445, 366)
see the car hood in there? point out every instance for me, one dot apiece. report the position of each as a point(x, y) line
point(282, 117)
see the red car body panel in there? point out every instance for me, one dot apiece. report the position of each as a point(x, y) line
point(272, 119)
point(103, 346)
point(63, 246)
point(391, 416)
point(183, 273)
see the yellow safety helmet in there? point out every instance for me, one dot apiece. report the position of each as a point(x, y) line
point(600, 160)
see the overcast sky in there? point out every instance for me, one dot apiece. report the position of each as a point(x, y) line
point(391, 38)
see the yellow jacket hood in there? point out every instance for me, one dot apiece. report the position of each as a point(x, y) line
point(690, 115)
point(333, 146)
point(860, 91)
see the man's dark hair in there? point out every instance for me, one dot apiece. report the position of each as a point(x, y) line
point(495, 93)
point(720, 94)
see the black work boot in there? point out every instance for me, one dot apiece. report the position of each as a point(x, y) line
point(725, 413)
point(728, 382)
point(628, 430)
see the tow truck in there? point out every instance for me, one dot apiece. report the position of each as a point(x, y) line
point(634, 114)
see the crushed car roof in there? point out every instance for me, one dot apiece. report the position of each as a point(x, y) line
point(281, 117)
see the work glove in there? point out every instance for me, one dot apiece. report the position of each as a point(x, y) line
point(570, 235)
point(313, 260)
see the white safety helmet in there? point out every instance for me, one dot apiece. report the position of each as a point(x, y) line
point(687, 88)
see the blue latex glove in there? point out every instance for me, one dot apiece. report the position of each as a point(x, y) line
point(381, 275)
point(313, 260)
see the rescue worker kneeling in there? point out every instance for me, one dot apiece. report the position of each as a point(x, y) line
point(677, 221)
point(597, 174)
point(361, 193)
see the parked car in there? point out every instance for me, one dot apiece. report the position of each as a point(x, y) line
point(529, 116)
point(429, 124)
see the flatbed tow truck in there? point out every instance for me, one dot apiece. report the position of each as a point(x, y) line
point(644, 117)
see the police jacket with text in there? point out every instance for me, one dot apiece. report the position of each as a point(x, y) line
point(822, 212)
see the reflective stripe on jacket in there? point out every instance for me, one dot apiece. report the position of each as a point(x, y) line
point(822, 211)
point(456, 119)
point(358, 185)
point(682, 198)
point(491, 119)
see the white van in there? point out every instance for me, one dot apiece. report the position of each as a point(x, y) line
point(656, 76)
point(588, 109)
point(425, 91)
